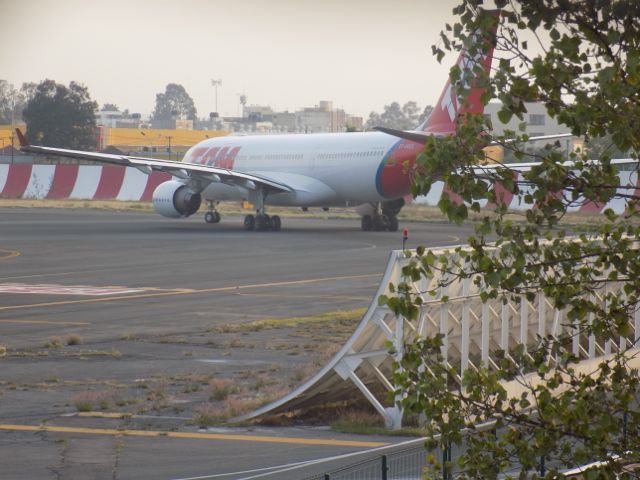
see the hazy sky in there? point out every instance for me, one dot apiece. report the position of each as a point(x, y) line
point(289, 54)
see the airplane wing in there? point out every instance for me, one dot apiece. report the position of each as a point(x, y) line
point(421, 137)
point(199, 176)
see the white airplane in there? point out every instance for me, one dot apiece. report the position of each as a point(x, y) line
point(368, 169)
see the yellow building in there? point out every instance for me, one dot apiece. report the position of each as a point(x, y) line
point(7, 132)
point(131, 138)
point(154, 138)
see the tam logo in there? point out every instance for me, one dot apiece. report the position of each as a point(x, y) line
point(216, 157)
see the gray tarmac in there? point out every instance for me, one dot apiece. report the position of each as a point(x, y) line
point(146, 359)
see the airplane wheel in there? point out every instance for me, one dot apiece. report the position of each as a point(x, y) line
point(263, 222)
point(212, 217)
point(276, 223)
point(378, 224)
point(249, 222)
point(367, 223)
point(392, 223)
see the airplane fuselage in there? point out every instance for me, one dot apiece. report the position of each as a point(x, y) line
point(332, 169)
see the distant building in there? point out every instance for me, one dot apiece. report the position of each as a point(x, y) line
point(118, 119)
point(262, 119)
point(184, 124)
point(285, 122)
point(258, 113)
point(538, 123)
point(108, 118)
point(322, 118)
point(355, 122)
point(537, 120)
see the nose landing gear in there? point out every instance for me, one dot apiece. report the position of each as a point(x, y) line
point(212, 215)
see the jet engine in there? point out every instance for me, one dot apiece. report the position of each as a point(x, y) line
point(174, 199)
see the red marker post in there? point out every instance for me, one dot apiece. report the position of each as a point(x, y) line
point(405, 237)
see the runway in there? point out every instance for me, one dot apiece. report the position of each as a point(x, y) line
point(150, 301)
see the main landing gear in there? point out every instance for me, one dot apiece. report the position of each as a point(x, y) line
point(379, 223)
point(212, 215)
point(384, 216)
point(262, 222)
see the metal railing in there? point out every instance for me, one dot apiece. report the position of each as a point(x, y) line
point(407, 464)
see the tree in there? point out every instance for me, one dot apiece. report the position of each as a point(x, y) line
point(61, 116)
point(394, 116)
point(174, 103)
point(109, 107)
point(13, 101)
point(586, 71)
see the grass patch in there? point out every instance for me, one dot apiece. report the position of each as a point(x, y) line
point(409, 213)
point(94, 353)
point(221, 388)
point(369, 423)
point(342, 317)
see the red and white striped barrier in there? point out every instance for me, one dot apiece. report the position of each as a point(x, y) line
point(87, 182)
point(96, 182)
point(618, 204)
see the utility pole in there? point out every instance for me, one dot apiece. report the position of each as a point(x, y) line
point(13, 119)
point(169, 149)
point(216, 83)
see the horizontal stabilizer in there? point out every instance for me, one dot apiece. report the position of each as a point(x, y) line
point(414, 136)
point(421, 137)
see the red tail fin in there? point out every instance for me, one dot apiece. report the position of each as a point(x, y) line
point(21, 138)
point(450, 106)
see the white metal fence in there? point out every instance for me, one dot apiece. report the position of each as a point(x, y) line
point(473, 333)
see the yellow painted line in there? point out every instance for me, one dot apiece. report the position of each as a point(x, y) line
point(7, 254)
point(188, 292)
point(46, 322)
point(293, 295)
point(190, 435)
point(103, 414)
point(61, 274)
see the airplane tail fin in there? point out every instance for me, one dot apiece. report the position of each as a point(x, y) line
point(21, 138)
point(450, 105)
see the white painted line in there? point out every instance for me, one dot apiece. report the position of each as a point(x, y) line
point(64, 289)
point(268, 471)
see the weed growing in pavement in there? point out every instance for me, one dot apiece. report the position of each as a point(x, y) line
point(74, 339)
point(208, 415)
point(221, 388)
point(53, 342)
point(91, 400)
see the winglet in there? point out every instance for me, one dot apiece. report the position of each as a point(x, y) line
point(22, 138)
